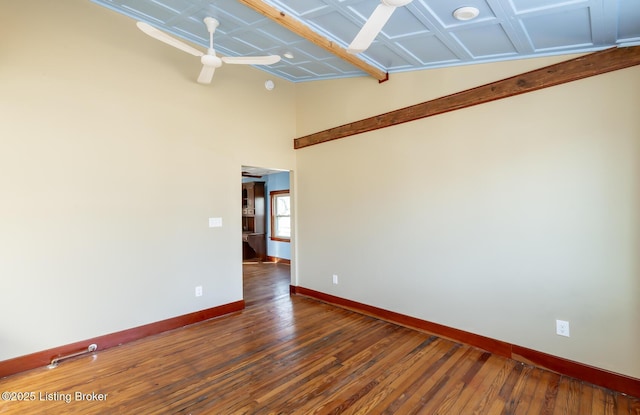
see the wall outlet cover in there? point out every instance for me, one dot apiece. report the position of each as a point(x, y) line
point(562, 328)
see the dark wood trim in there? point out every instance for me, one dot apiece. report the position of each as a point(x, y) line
point(601, 377)
point(594, 375)
point(572, 70)
point(279, 260)
point(274, 238)
point(485, 343)
point(43, 358)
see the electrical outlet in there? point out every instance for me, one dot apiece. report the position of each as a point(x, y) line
point(562, 328)
point(199, 291)
point(335, 279)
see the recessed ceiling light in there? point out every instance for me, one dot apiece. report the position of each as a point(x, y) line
point(269, 85)
point(288, 55)
point(466, 13)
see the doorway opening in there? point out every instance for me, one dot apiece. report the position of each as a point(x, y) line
point(267, 231)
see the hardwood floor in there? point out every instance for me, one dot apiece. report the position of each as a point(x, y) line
point(294, 355)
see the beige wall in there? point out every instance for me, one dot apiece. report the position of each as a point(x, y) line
point(112, 159)
point(497, 219)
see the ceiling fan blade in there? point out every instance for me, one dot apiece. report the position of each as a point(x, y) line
point(251, 60)
point(169, 40)
point(206, 74)
point(371, 28)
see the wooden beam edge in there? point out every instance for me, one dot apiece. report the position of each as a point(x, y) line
point(596, 63)
point(597, 376)
point(305, 32)
point(43, 358)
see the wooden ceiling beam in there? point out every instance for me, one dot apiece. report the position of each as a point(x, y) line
point(305, 32)
point(572, 70)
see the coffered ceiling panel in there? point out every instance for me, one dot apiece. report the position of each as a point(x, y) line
point(421, 35)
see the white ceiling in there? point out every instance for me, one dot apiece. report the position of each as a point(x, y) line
point(258, 171)
point(424, 34)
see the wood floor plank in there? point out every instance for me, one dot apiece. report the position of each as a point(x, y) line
point(287, 354)
point(394, 367)
point(485, 394)
point(517, 394)
point(398, 366)
point(528, 398)
point(448, 387)
point(471, 383)
point(330, 393)
point(430, 391)
point(634, 406)
point(401, 376)
point(568, 397)
point(454, 393)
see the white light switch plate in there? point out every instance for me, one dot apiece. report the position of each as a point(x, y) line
point(215, 222)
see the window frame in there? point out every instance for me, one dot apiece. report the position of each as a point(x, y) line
point(273, 195)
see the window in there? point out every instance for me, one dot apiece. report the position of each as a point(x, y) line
point(280, 215)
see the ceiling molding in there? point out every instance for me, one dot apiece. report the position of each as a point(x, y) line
point(305, 32)
point(572, 70)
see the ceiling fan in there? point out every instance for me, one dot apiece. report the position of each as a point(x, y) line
point(210, 61)
point(374, 25)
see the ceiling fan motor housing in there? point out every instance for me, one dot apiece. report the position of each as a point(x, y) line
point(210, 59)
point(211, 23)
